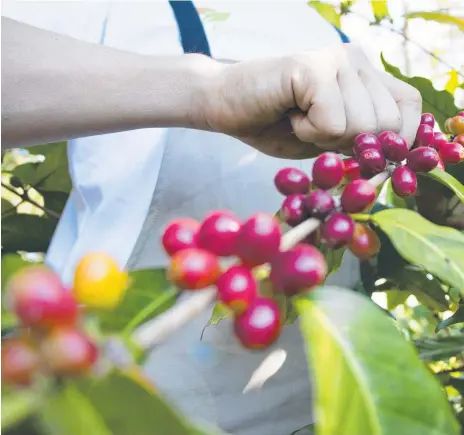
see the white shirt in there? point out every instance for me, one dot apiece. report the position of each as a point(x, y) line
point(128, 186)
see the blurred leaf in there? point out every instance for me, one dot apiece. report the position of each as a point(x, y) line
point(385, 385)
point(439, 103)
point(395, 298)
point(54, 201)
point(440, 348)
point(447, 180)
point(18, 405)
point(333, 257)
point(327, 11)
point(439, 17)
point(7, 208)
point(457, 317)
point(453, 82)
point(220, 312)
point(379, 9)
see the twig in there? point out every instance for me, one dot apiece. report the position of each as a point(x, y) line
point(456, 369)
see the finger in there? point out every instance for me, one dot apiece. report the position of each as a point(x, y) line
point(409, 102)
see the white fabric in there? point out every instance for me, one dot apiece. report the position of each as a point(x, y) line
point(127, 186)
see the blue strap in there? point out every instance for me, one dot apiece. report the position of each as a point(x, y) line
point(343, 37)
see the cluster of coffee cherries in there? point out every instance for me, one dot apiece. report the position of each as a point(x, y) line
point(197, 247)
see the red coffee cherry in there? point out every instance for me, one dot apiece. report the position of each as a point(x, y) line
point(328, 170)
point(424, 135)
point(337, 230)
point(439, 139)
point(39, 299)
point(365, 141)
point(455, 125)
point(358, 196)
point(428, 118)
point(292, 210)
point(459, 139)
point(365, 242)
point(218, 234)
point(298, 270)
point(452, 153)
point(404, 181)
point(319, 204)
point(423, 159)
point(383, 134)
point(68, 351)
point(440, 164)
point(371, 162)
point(260, 325)
point(237, 288)
point(351, 167)
point(289, 181)
point(194, 269)
point(394, 147)
point(258, 240)
point(20, 362)
point(180, 234)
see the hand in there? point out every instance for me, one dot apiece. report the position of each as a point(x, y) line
point(297, 106)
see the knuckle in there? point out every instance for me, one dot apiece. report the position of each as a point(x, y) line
point(413, 97)
point(334, 131)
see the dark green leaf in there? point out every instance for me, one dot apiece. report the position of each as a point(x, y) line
point(439, 17)
point(327, 11)
point(54, 201)
point(379, 9)
point(448, 181)
point(457, 317)
point(439, 103)
point(368, 378)
point(440, 348)
point(7, 208)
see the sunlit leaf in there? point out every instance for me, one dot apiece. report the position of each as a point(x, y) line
point(439, 17)
point(457, 317)
point(327, 11)
point(453, 82)
point(447, 180)
point(379, 9)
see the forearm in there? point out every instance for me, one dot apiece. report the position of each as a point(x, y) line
point(56, 88)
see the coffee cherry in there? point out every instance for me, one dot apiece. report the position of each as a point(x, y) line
point(365, 242)
point(404, 181)
point(298, 270)
point(258, 240)
point(67, 351)
point(452, 153)
point(371, 162)
point(459, 139)
point(260, 325)
point(351, 167)
point(194, 269)
point(218, 234)
point(98, 281)
point(319, 204)
point(20, 361)
point(180, 234)
point(328, 170)
point(384, 134)
point(39, 299)
point(424, 135)
point(428, 118)
point(460, 113)
point(423, 159)
point(455, 125)
point(358, 196)
point(394, 147)
point(365, 141)
point(237, 288)
point(440, 164)
point(439, 139)
point(292, 210)
point(337, 230)
point(289, 181)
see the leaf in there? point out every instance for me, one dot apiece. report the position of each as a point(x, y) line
point(391, 198)
point(447, 180)
point(220, 312)
point(438, 250)
point(7, 208)
point(457, 317)
point(440, 348)
point(368, 378)
point(26, 232)
point(379, 9)
point(333, 258)
point(395, 298)
point(54, 201)
point(439, 103)
point(18, 405)
point(439, 17)
point(327, 11)
point(453, 82)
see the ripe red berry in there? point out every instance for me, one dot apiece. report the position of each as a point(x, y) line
point(358, 196)
point(39, 299)
point(218, 234)
point(337, 230)
point(440, 164)
point(455, 125)
point(459, 139)
point(19, 362)
point(365, 242)
point(319, 204)
point(423, 159)
point(439, 139)
point(460, 113)
point(298, 270)
point(404, 181)
point(260, 325)
point(68, 351)
point(351, 167)
point(452, 153)
point(371, 162)
point(424, 135)
point(292, 180)
point(383, 134)
point(180, 234)
point(328, 170)
point(237, 288)
point(365, 141)
point(428, 118)
point(193, 269)
point(292, 210)
point(394, 147)
point(258, 240)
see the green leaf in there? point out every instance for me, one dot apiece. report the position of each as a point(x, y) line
point(18, 405)
point(440, 348)
point(447, 180)
point(453, 82)
point(327, 11)
point(7, 208)
point(439, 103)
point(54, 201)
point(368, 378)
point(220, 312)
point(439, 17)
point(391, 198)
point(333, 258)
point(379, 9)
point(436, 249)
point(395, 298)
point(457, 317)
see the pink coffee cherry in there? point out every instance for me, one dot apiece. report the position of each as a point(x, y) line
point(394, 147)
point(218, 234)
point(358, 196)
point(289, 181)
point(328, 170)
point(428, 119)
point(292, 210)
point(383, 134)
point(365, 141)
point(424, 135)
point(180, 234)
point(452, 153)
point(404, 181)
point(337, 230)
point(439, 139)
point(351, 167)
point(371, 162)
point(319, 204)
point(423, 159)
